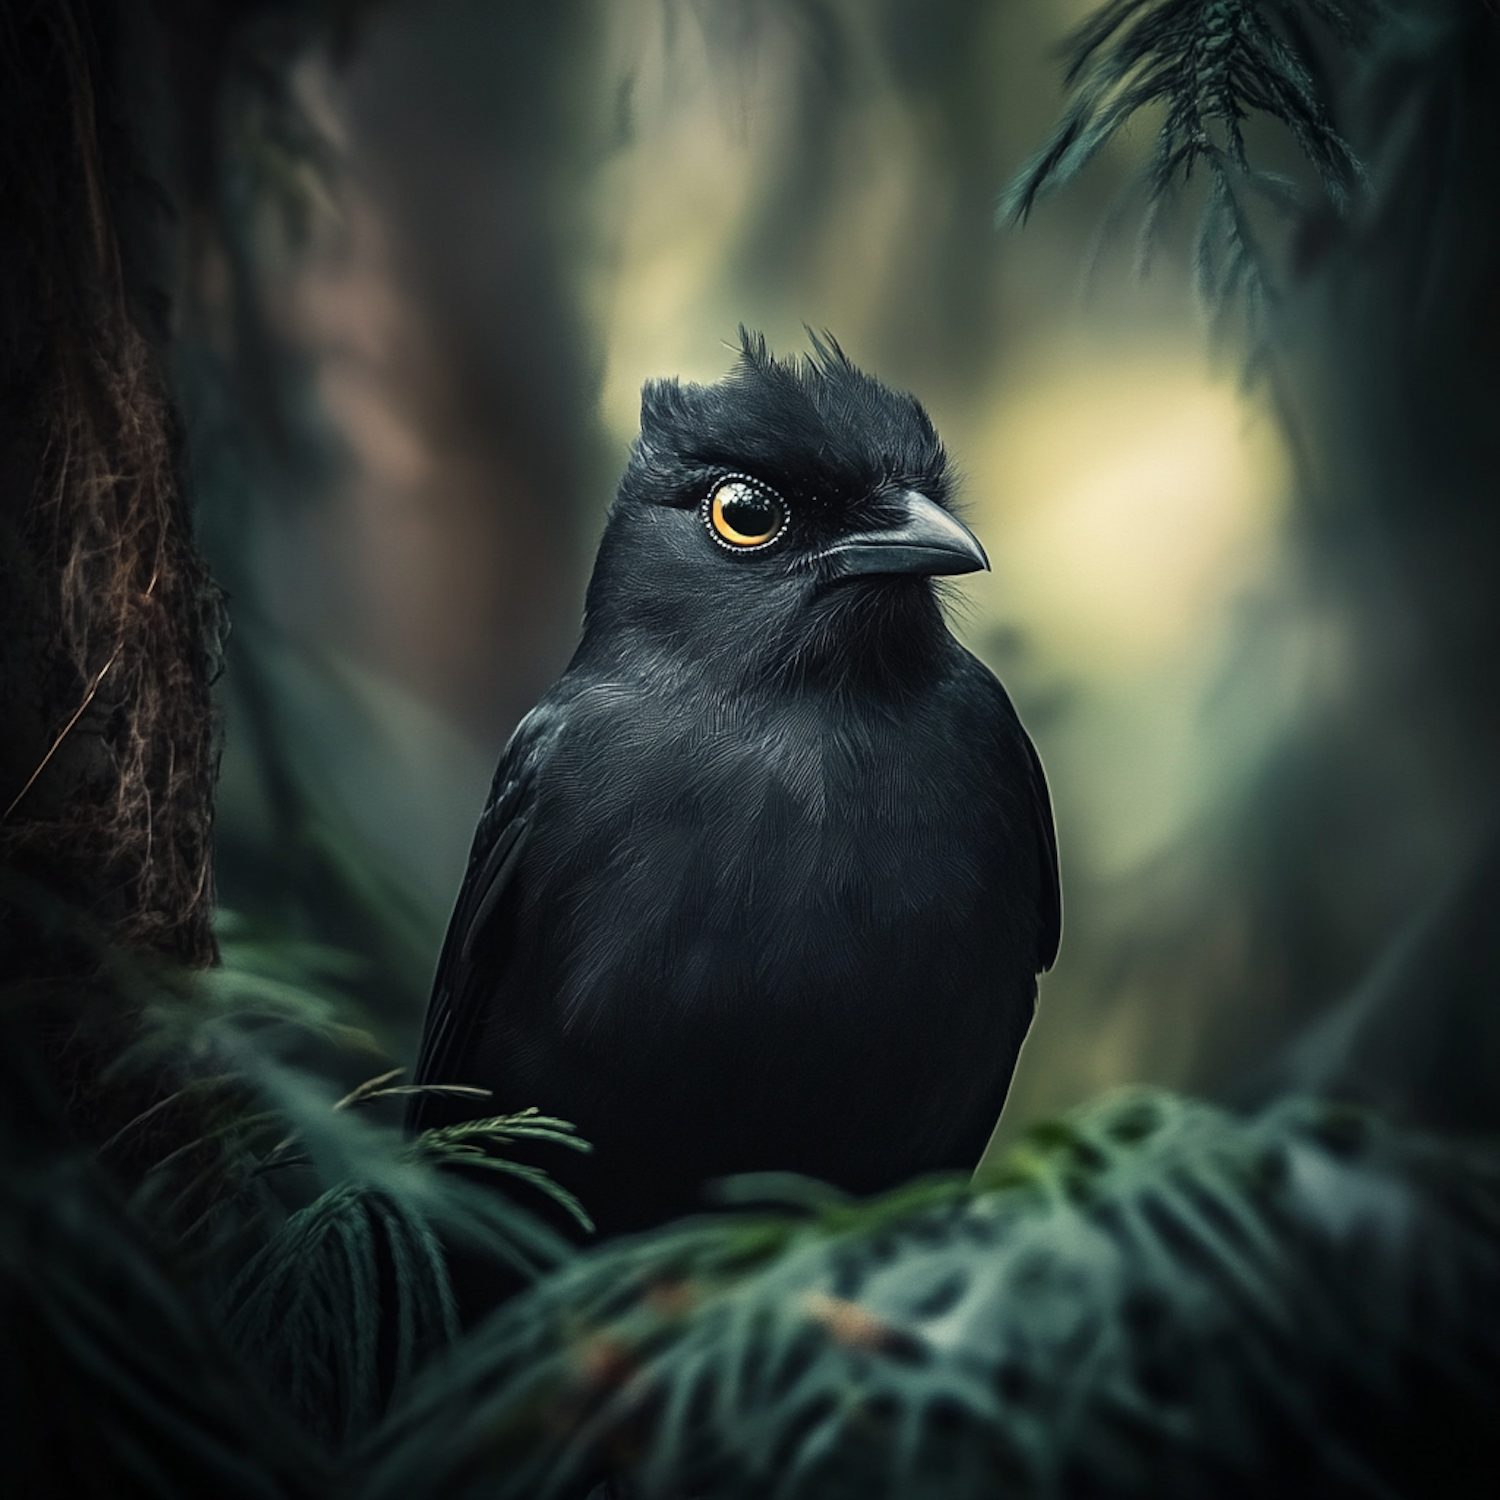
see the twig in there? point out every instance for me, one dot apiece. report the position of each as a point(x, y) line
point(67, 728)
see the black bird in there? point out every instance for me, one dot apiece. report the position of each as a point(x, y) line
point(765, 880)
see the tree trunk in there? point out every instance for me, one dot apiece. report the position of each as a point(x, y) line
point(108, 618)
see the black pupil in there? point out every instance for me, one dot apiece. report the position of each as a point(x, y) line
point(749, 513)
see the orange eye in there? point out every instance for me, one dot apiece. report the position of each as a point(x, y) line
point(743, 515)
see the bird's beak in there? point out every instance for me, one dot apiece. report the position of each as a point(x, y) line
point(926, 540)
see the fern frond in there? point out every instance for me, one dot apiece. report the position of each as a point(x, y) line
point(1146, 1297)
point(1206, 67)
point(341, 1305)
point(308, 1309)
point(472, 1143)
point(115, 1383)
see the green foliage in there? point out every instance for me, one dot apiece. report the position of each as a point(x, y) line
point(212, 1035)
point(469, 1144)
point(307, 1311)
point(116, 1384)
point(1206, 66)
point(318, 1231)
point(346, 1300)
point(341, 1300)
point(1151, 1297)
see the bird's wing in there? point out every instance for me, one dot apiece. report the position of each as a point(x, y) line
point(460, 988)
point(1035, 808)
point(1049, 888)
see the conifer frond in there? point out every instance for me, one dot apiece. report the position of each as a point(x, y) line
point(115, 1382)
point(340, 1306)
point(214, 1032)
point(307, 1313)
point(481, 1143)
point(1145, 1297)
point(1206, 66)
point(333, 1305)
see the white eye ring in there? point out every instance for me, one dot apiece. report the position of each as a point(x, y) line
point(726, 489)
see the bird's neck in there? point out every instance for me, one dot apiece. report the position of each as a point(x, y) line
point(877, 647)
point(869, 641)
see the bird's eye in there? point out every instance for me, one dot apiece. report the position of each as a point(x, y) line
point(743, 515)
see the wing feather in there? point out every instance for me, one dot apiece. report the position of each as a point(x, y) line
point(460, 989)
point(1049, 889)
point(1036, 811)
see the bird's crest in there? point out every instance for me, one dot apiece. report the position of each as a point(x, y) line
point(812, 418)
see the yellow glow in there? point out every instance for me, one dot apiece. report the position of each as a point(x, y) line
point(673, 209)
point(668, 210)
point(1129, 500)
point(1131, 503)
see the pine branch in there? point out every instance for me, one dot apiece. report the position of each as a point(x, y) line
point(363, 1268)
point(473, 1143)
point(1143, 1297)
point(1207, 66)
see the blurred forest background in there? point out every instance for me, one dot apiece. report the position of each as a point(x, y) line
point(1247, 619)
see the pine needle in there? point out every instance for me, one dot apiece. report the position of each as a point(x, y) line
point(1147, 1296)
point(1205, 67)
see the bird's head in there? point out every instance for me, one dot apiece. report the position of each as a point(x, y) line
point(783, 524)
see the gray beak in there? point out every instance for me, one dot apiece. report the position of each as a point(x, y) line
point(926, 540)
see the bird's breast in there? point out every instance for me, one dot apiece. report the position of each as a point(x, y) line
point(728, 854)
